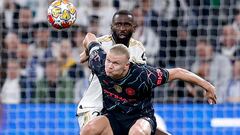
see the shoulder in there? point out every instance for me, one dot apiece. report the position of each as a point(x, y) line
point(105, 38)
point(136, 44)
point(138, 69)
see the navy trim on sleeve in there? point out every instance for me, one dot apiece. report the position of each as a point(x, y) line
point(167, 75)
point(92, 45)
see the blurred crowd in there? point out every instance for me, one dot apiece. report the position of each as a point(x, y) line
point(40, 64)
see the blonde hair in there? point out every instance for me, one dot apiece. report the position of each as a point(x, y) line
point(120, 49)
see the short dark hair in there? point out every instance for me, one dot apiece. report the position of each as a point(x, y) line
point(122, 12)
point(94, 19)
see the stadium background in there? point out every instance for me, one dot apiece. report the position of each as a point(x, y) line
point(169, 29)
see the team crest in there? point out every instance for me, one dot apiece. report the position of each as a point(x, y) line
point(130, 91)
point(118, 88)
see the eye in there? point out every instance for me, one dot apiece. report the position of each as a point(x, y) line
point(108, 61)
point(115, 63)
point(117, 24)
point(127, 25)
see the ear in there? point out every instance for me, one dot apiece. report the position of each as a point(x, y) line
point(127, 65)
point(134, 26)
point(111, 26)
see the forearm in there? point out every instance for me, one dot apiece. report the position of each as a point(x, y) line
point(185, 75)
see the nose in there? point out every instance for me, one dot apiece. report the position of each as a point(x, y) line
point(122, 27)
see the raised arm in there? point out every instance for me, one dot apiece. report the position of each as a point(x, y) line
point(185, 75)
point(87, 40)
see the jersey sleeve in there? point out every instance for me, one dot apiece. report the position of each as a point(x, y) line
point(137, 52)
point(138, 56)
point(97, 57)
point(157, 76)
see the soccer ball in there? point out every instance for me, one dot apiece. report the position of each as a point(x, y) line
point(61, 14)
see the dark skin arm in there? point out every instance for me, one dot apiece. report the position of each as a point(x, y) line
point(83, 57)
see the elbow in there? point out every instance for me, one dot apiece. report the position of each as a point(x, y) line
point(180, 73)
point(176, 73)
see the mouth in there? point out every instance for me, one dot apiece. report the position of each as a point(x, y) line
point(108, 72)
point(122, 35)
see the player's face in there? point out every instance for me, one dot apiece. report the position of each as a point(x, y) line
point(13, 70)
point(116, 65)
point(123, 27)
point(204, 52)
point(52, 71)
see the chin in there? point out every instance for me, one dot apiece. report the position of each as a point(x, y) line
point(111, 76)
point(108, 74)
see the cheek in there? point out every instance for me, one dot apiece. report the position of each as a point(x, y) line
point(118, 69)
point(106, 69)
point(106, 64)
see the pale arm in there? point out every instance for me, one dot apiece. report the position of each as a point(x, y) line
point(185, 75)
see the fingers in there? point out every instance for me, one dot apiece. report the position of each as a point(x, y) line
point(88, 39)
point(211, 95)
point(91, 36)
point(83, 57)
point(85, 43)
point(212, 99)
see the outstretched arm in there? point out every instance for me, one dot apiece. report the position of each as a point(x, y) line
point(185, 75)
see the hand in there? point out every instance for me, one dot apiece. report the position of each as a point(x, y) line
point(88, 39)
point(211, 95)
point(83, 57)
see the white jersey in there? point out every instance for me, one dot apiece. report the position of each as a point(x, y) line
point(92, 98)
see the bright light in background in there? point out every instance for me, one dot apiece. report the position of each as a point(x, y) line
point(225, 122)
